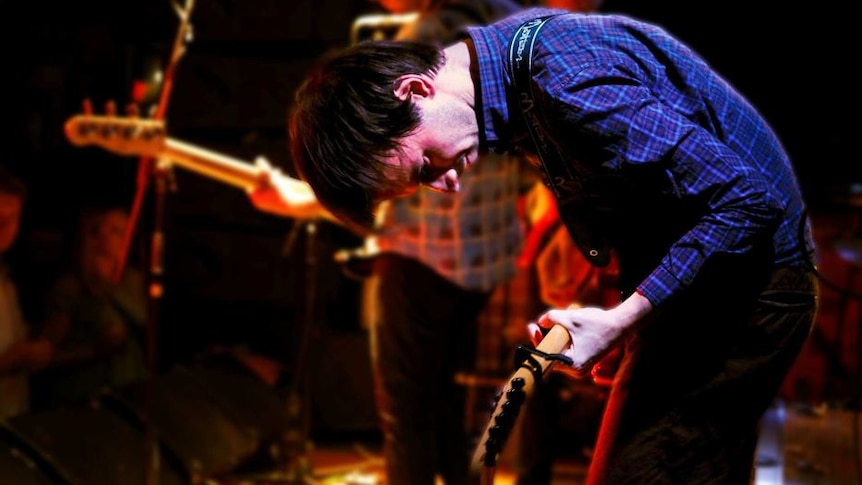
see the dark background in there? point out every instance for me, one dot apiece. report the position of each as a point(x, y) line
point(236, 276)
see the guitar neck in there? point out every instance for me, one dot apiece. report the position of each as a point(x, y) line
point(518, 389)
point(215, 165)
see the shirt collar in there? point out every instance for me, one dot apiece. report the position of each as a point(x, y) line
point(487, 66)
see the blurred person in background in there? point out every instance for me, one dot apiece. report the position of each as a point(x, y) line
point(19, 355)
point(441, 256)
point(94, 317)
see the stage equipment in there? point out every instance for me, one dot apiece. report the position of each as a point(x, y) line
point(22, 465)
point(379, 26)
point(84, 445)
point(190, 421)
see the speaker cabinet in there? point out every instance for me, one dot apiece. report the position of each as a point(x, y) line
point(77, 446)
point(21, 466)
point(189, 422)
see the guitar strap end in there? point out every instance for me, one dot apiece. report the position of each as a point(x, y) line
point(526, 357)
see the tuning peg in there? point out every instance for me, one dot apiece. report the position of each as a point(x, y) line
point(87, 106)
point(518, 383)
point(133, 110)
point(111, 108)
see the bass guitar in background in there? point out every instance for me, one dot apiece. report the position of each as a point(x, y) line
point(129, 136)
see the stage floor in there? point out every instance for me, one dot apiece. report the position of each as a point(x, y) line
point(799, 446)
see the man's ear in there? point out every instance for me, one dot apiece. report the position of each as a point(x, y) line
point(414, 85)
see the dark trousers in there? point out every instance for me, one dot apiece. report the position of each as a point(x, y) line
point(423, 331)
point(688, 397)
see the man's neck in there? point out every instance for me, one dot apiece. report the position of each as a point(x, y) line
point(457, 72)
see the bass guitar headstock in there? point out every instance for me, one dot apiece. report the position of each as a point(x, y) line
point(122, 136)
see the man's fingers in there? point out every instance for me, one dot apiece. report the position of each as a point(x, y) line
point(544, 321)
point(535, 333)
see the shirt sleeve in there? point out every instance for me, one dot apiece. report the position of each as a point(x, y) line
point(611, 109)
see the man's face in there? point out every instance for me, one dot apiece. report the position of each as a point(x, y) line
point(103, 245)
point(434, 156)
point(444, 144)
point(10, 220)
point(109, 232)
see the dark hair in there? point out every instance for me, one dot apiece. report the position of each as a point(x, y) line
point(346, 119)
point(12, 184)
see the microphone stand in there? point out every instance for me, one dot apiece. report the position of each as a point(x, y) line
point(162, 176)
point(295, 465)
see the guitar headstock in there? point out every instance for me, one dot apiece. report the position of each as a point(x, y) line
point(123, 136)
point(532, 364)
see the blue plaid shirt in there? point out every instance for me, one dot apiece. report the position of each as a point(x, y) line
point(689, 169)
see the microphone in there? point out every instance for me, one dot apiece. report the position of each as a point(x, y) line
point(379, 26)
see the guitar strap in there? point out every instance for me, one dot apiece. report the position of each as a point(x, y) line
point(575, 210)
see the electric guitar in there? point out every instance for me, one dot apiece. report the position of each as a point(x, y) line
point(515, 392)
point(146, 137)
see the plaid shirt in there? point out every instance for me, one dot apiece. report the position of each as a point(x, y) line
point(689, 169)
point(472, 237)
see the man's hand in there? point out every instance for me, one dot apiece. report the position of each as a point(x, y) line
point(38, 354)
point(28, 356)
point(112, 339)
point(594, 331)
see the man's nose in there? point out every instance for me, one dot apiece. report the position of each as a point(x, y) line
point(448, 182)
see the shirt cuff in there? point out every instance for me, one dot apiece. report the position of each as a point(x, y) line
point(659, 286)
